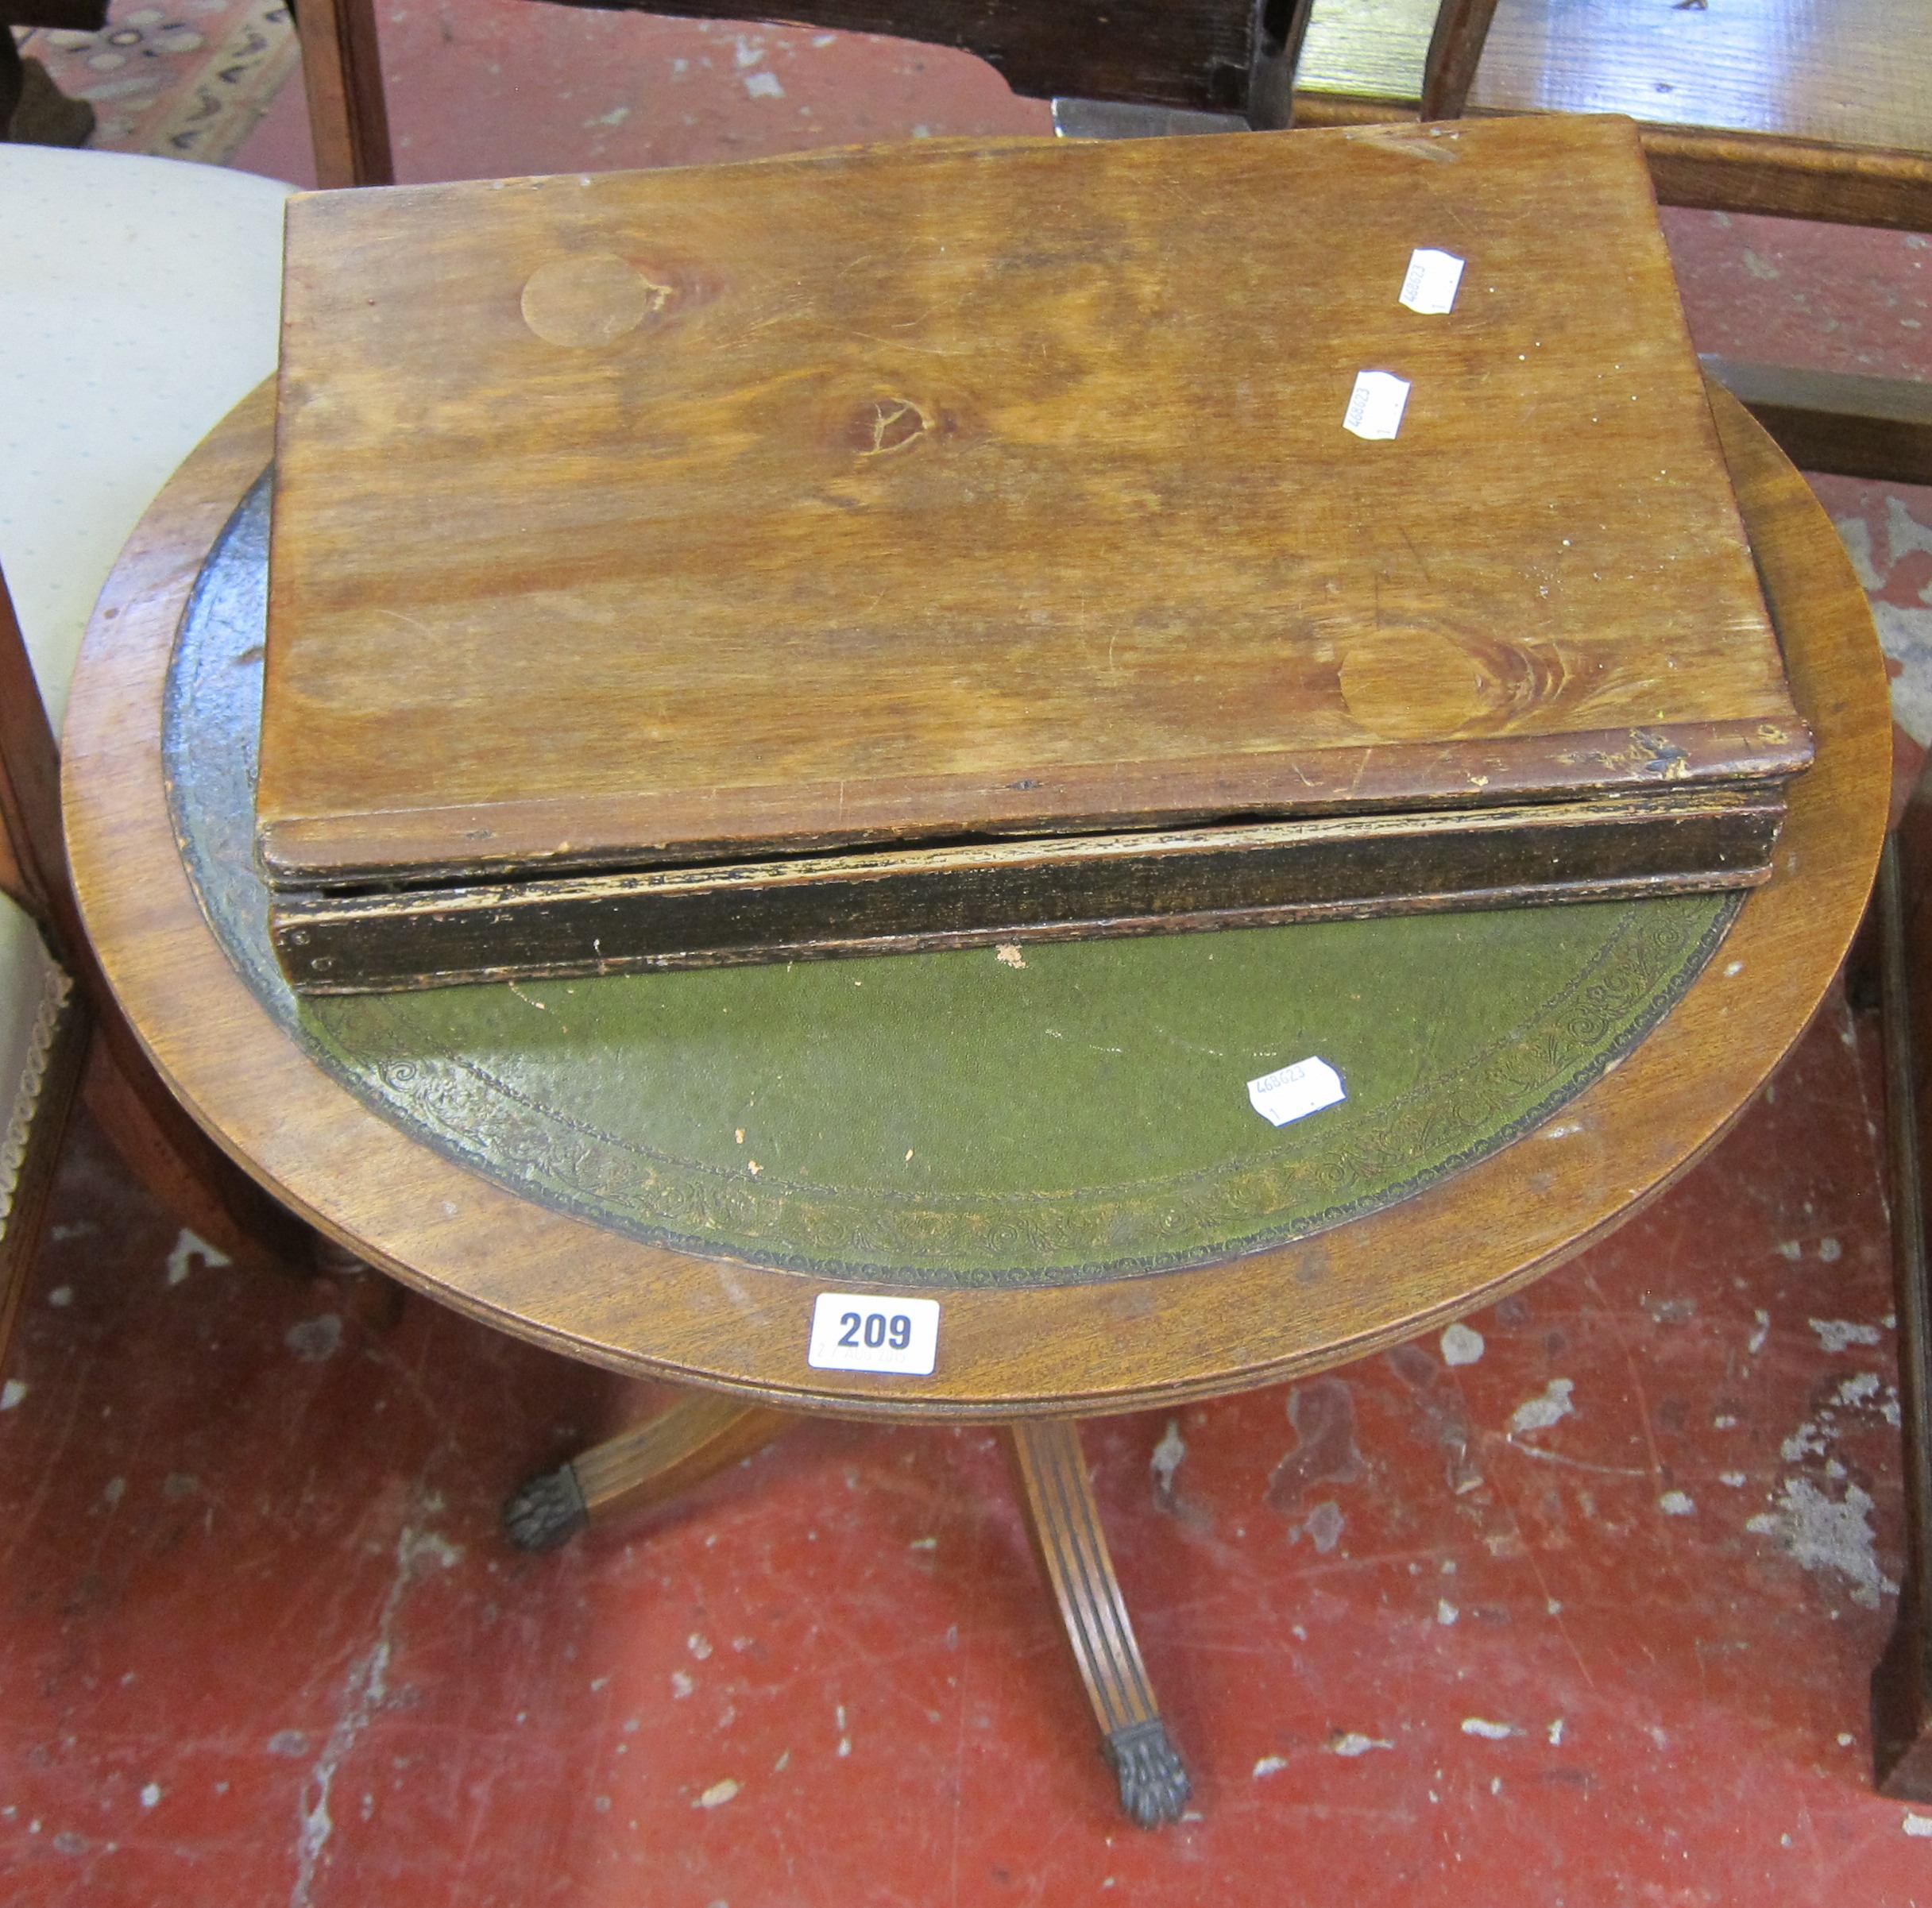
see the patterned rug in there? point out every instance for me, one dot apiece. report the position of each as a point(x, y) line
point(187, 80)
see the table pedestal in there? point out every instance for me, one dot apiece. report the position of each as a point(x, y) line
point(706, 1433)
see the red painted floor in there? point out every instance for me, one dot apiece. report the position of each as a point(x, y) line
point(484, 89)
point(1573, 1606)
point(1576, 1605)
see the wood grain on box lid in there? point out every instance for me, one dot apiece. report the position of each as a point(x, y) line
point(986, 487)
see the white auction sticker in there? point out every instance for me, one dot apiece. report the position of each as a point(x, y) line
point(1375, 405)
point(853, 1333)
point(1293, 1093)
point(1429, 286)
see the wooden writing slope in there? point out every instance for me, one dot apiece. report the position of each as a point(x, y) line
point(924, 545)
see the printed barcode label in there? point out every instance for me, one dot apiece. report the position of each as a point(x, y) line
point(1375, 405)
point(851, 1332)
point(1429, 286)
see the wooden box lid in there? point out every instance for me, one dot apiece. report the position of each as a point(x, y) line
point(978, 487)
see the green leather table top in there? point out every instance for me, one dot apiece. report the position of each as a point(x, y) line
point(1080, 1112)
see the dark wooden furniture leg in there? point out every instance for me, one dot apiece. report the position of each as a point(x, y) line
point(174, 1159)
point(1901, 1683)
point(1064, 1522)
point(1455, 47)
point(1837, 422)
point(21, 1219)
point(341, 75)
point(699, 1435)
point(157, 1136)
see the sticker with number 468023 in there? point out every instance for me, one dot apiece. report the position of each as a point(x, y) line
point(851, 1332)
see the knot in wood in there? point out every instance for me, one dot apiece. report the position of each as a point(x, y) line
point(886, 423)
point(594, 298)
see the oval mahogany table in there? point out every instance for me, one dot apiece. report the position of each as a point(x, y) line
point(1056, 1144)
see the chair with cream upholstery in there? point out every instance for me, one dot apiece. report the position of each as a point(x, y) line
point(139, 302)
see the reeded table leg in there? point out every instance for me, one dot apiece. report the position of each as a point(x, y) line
point(1902, 1682)
point(1065, 1524)
point(1901, 1727)
point(700, 1434)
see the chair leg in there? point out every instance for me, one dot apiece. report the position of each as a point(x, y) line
point(700, 1435)
point(155, 1133)
point(1842, 423)
point(1901, 1717)
point(179, 1164)
point(341, 75)
point(1901, 1680)
point(1064, 1522)
point(21, 1217)
point(1455, 47)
